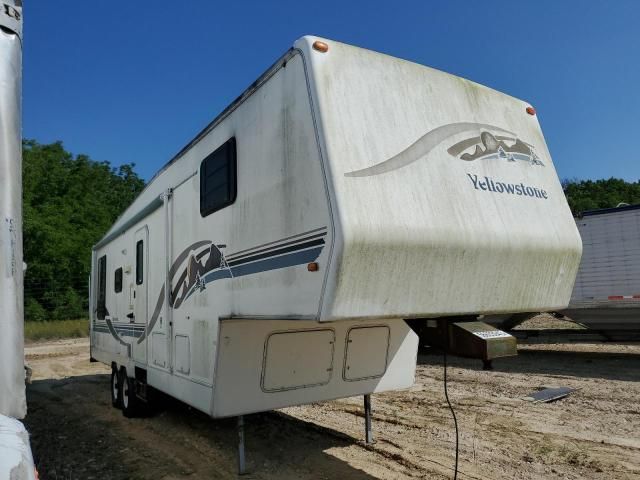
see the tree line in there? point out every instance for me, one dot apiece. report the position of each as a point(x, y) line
point(71, 201)
point(584, 195)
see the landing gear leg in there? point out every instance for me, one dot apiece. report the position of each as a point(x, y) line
point(241, 463)
point(367, 419)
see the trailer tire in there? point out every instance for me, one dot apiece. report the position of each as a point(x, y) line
point(116, 388)
point(130, 402)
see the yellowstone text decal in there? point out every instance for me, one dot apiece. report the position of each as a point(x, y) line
point(491, 185)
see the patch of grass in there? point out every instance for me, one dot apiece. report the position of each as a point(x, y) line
point(34, 331)
point(554, 453)
point(544, 450)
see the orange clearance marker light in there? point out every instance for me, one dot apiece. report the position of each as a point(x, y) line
point(320, 46)
point(531, 110)
point(312, 267)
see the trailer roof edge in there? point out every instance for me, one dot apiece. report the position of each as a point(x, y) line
point(601, 211)
point(230, 108)
point(150, 207)
point(268, 73)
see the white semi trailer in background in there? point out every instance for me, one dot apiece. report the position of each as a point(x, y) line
point(16, 461)
point(606, 296)
point(274, 260)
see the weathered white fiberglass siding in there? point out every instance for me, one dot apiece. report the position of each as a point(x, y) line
point(421, 240)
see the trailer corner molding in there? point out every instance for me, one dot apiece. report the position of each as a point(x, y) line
point(493, 147)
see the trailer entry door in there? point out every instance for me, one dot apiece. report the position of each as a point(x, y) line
point(139, 319)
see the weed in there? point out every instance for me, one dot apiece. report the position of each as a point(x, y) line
point(34, 331)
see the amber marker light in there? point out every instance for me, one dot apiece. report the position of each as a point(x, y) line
point(531, 110)
point(320, 46)
point(312, 267)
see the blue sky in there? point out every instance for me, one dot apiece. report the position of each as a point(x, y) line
point(135, 81)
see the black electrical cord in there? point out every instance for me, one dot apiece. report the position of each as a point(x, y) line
point(446, 395)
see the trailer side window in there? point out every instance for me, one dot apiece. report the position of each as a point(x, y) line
point(117, 280)
point(218, 182)
point(139, 262)
point(102, 287)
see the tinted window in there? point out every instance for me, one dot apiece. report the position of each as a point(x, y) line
point(218, 179)
point(117, 280)
point(101, 309)
point(139, 262)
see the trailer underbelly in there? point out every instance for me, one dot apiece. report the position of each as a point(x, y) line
point(267, 364)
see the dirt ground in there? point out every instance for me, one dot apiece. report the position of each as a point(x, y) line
point(594, 433)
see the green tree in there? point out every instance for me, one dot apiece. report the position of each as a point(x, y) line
point(584, 195)
point(69, 204)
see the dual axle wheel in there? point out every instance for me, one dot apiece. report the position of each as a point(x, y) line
point(123, 392)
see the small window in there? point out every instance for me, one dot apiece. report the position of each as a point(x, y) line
point(117, 280)
point(218, 186)
point(139, 262)
point(101, 309)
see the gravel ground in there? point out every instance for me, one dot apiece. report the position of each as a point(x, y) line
point(593, 433)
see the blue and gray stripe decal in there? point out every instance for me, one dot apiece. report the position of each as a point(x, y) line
point(210, 264)
point(121, 329)
point(288, 252)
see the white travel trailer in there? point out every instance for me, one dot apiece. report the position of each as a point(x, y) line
point(273, 260)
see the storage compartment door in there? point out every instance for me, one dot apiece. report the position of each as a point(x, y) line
point(297, 359)
point(367, 353)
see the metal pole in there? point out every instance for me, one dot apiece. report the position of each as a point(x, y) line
point(367, 419)
point(168, 254)
point(12, 391)
point(241, 463)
